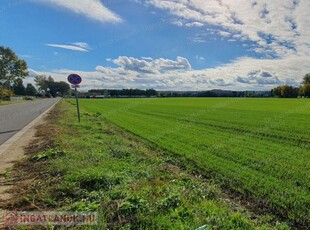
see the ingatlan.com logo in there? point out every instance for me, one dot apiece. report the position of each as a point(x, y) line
point(14, 218)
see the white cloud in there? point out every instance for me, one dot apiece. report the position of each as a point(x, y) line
point(280, 28)
point(177, 23)
point(152, 66)
point(93, 9)
point(199, 58)
point(147, 58)
point(224, 33)
point(77, 46)
point(164, 74)
point(277, 30)
point(193, 24)
point(81, 45)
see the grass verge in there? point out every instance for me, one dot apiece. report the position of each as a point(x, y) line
point(10, 102)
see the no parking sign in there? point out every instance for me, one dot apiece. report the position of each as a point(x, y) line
point(75, 80)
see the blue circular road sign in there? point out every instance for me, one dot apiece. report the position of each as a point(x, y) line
point(74, 79)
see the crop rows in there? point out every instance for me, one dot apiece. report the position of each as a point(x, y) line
point(259, 148)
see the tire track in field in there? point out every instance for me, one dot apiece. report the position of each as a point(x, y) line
point(248, 162)
point(261, 135)
point(229, 183)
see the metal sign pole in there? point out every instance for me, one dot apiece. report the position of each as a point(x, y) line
point(77, 103)
point(76, 80)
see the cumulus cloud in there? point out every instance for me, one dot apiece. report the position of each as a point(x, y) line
point(281, 28)
point(164, 74)
point(260, 77)
point(278, 31)
point(152, 66)
point(76, 46)
point(193, 24)
point(93, 9)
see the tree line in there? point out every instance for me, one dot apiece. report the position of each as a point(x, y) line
point(12, 72)
point(51, 88)
point(122, 93)
point(287, 91)
point(214, 93)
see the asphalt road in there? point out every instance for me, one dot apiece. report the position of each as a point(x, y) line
point(15, 117)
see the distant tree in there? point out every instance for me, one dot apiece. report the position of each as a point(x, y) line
point(58, 88)
point(289, 91)
point(48, 95)
point(50, 79)
point(151, 92)
point(305, 90)
point(306, 79)
point(50, 87)
point(41, 82)
point(30, 90)
point(11, 67)
point(285, 91)
point(19, 88)
point(276, 92)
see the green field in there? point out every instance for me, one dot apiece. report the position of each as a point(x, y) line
point(257, 149)
point(176, 163)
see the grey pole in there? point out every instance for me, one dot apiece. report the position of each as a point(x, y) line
point(77, 104)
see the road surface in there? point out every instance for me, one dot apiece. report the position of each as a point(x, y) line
point(15, 117)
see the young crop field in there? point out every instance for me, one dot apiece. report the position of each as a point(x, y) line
point(255, 149)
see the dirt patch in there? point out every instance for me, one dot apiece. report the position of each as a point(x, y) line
point(12, 155)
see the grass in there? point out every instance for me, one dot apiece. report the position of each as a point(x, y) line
point(97, 166)
point(258, 149)
point(10, 102)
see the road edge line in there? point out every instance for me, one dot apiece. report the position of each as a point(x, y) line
point(6, 145)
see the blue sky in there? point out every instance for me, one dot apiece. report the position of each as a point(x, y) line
point(162, 44)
